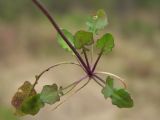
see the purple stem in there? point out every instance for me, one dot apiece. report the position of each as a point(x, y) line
point(85, 55)
point(99, 79)
point(97, 82)
point(95, 64)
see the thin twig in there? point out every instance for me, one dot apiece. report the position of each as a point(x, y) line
point(82, 86)
point(98, 58)
point(80, 64)
point(86, 58)
point(92, 51)
point(56, 65)
point(75, 83)
point(46, 70)
point(111, 74)
point(99, 78)
point(97, 82)
point(71, 95)
point(51, 19)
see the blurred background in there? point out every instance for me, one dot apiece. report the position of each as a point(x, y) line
point(28, 46)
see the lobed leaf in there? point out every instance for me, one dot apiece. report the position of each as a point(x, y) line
point(97, 22)
point(105, 43)
point(82, 39)
point(62, 43)
point(50, 94)
point(120, 97)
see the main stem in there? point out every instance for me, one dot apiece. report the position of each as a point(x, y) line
point(51, 19)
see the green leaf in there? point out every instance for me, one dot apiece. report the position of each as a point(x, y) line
point(82, 39)
point(97, 22)
point(107, 91)
point(106, 43)
point(50, 94)
point(32, 105)
point(109, 81)
point(62, 43)
point(120, 97)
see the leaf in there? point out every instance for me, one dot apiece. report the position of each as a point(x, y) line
point(62, 43)
point(120, 97)
point(32, 105)
point(50, 94)
point(22, 93)
point(82, 39)
point(106, 43)
point(109, 81)
point(101, 20)
point(97, 22)
point(107, 91)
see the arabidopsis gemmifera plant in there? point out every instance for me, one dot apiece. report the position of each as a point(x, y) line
point(82, 44)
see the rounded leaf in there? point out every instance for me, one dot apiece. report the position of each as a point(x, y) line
point(82, 39)
point(50, 94)
point(106, 43)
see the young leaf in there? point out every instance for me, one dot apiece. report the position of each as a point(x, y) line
point(122, 99)
point(97, 22)
point(50, 94)
point(106, 43)
point(119, 97)
point(32, 105)
point(62, 43)
point(82, 39)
